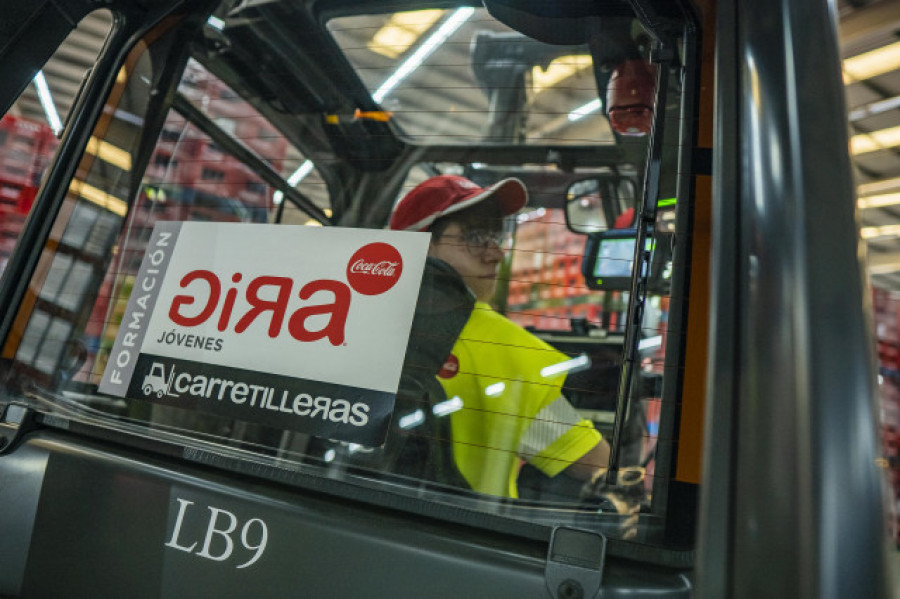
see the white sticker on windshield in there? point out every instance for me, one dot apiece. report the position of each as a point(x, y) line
point(303, 328)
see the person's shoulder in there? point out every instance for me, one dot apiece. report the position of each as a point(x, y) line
point(485, 315)
point(490, 322)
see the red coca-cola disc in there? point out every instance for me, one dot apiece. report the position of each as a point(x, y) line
point(450, 367)
point(374, 268)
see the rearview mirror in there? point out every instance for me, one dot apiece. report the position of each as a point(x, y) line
point(600, 203)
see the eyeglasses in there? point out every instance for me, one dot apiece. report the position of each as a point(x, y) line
point(478, 241)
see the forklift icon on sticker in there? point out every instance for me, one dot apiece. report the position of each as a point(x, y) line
point(156, 382)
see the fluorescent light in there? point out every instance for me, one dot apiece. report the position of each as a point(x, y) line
point(99, 197)
point(402, 31)
point(582, 362)
point(107, 152)
point(412, 420)
point(875, 187)
point(876, 140)
point(883, 231)
point(650, 342)
point(295, 178)
point(883, 268)
point(878, 186)
point(127, 117)
point(879, 201)
point(561, 68)
point(300, 174)
point(874, 108)
point(582, 111)
point(47, 103)
point(871, 64)
point(330, 455)
point(216, 23)
point(454, 404)
point(424, 51)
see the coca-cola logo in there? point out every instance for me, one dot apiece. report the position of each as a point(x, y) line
point(374, 268)
point(450, 367)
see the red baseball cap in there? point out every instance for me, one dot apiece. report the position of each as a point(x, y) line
point(446, 194)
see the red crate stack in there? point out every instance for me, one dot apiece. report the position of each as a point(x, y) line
point(595, 314)
point(523, 269)
point(253, 131)
point(545, 276)
point(187, 158)
point(20, 150)
point(524, 319)
point(886, 306)
point(517, 293)
point(25, 150)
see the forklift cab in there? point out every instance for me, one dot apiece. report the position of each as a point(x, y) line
point(214, 355)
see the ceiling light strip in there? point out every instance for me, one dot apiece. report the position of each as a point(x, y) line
point(582, 111)
point(882, 139)
point(110, 153)
point(47, 103)
point(879, 201)
point(424, 51)
point(871, 64)
point(99, 197)
point(883, 231)
point(295, 178)
point(874, 108)
point(875, 187)
point(884, 268)
point(558, 70)
point(402, 31)
point(216, 23)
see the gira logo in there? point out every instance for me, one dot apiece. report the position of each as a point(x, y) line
point(372, 270)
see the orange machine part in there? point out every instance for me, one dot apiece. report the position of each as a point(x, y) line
point(688, 466)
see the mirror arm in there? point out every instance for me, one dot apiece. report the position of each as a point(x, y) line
point(661, 55)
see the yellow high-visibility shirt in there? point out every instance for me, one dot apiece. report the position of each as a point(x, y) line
point(510, 409)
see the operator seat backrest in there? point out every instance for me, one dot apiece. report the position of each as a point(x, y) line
point(419, 442)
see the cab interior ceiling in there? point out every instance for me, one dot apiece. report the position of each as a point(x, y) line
point(865, 25)
point(281, 58)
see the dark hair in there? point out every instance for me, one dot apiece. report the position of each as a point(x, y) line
point(484, 216)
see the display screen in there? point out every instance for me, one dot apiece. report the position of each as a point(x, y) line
point(615, 258)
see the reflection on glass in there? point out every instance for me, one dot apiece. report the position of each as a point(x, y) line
point(462, 76)
point(584, 207)
point(112, 209)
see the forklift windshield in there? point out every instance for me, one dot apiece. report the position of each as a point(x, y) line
point(173, 271)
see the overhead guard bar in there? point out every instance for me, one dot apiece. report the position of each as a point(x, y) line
point(259, 166)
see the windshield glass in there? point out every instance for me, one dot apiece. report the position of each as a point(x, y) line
point(459, 75)
point(438, 339)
